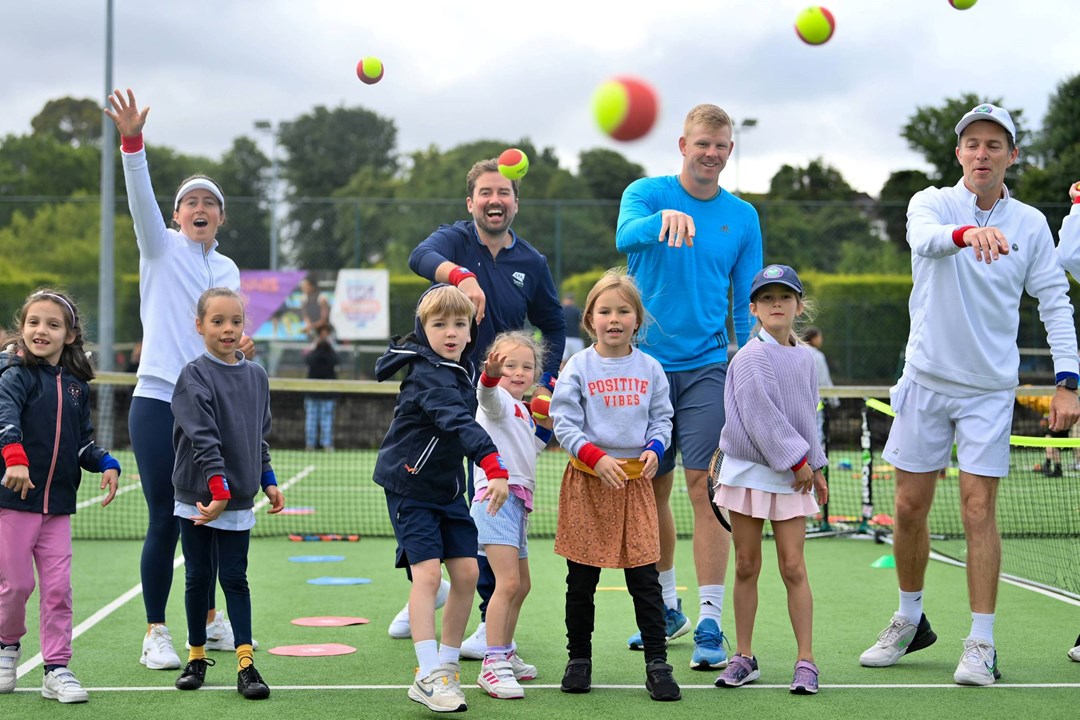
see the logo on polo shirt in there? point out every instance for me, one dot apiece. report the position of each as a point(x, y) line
point(519, 279)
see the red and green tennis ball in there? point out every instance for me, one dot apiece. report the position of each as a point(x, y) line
point(625, 108)
point(815, 25)
point(513, 164)
point(540, 405)
point(962, 4)
point(369, 70)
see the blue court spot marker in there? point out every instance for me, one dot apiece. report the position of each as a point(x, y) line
point(339, 581)
point(316, 558)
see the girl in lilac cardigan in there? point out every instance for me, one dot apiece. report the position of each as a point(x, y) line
point(772, 461)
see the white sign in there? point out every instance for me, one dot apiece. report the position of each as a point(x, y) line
point(361, 309)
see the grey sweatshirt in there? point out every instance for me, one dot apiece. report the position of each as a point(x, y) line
point(222, 419)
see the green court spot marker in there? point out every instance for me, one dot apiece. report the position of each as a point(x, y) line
point(885, 561)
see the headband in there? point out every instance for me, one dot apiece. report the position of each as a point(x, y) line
point(199, 184)
point(60, 298)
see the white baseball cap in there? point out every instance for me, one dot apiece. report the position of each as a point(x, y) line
point(993, 113)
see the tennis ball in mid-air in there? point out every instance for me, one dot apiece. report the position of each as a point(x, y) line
point(625, 108)
point(962, 4)
point(540, 405)
point(815, 25)
point(369, 70)
point(513, 164)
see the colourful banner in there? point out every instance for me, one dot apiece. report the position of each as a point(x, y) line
point(265, 291)
point(361, 308)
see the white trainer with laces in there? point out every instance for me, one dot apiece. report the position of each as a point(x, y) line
point(978, 665)
point(474, 647)
point(9, 664)
point(522, 669)
point(157, 650)
point(399, 626)
point(441, 690)
point(1074, 654)
point(497, 680)
point(61, 684)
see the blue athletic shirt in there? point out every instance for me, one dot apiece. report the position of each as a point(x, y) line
point(685, 289)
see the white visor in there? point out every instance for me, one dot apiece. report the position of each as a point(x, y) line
point(198, 184)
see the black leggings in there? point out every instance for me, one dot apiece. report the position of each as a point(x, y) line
point(644, 585)
point(150, 425)
point(205, 547)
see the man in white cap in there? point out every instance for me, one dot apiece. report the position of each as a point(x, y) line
point(974, 250)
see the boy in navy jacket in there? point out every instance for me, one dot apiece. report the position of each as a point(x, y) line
point(420, 467)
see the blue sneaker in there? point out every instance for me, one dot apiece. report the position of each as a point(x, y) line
point(709, 642)
point(675, 625)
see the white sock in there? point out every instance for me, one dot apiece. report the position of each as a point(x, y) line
point(982, 627)
point(711, 598)
point(427, 656)
point(667, 588)
point(911, 605)
point(449, 654)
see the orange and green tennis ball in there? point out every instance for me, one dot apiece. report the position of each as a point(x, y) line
point(815, 25)
point(625, 108)
point(962, 4)
point(540, 405)
point(369, 70)
point(513, 164)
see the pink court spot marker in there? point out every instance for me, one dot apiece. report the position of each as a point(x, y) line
point(323, 650)
point(329, 621)
point(298, 511)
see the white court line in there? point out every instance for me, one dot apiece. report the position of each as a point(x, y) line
point(109, 609)
point(636, 688)
point(97, 500)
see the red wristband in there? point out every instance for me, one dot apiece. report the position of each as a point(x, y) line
point(131, 144)
point(488, 381)
point(958, 235)
point(458, 274)
point(219, 488)
point(494, 467)
point(590, 454)
point(15, 454)
point(1076, 200)
point(796, 466)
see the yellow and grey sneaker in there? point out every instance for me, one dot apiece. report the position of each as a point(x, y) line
point(441, 690)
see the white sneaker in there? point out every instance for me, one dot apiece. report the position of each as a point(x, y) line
point(441, 690)
point(61, 684)
point(9, 663)
point(474, 647)
point(497, 679)
point(219, 635)
point(522, 669)
point(399, 626)
point(1074, 654)
point(157, 650)
point(898, 639)
point(978, 664)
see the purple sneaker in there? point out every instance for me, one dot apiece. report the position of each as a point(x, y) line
point(741, 670)
point(805, 680)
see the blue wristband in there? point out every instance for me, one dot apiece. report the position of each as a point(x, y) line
point(656, 446)
point(1065, 376)
point(544, 434)
point(268, 478)
point(548, 381)
point(108, 462)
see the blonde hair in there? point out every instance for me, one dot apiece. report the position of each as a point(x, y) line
point(524, 339)
point(445, 300)
point(711, 117)
point(800, 325)
point(614, 279)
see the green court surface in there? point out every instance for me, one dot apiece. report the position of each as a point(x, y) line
point(853, 602)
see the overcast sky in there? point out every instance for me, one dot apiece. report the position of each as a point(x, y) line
point(457, 72)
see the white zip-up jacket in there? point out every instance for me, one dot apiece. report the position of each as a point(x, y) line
point(173, 272)
point(965, 313)
point(1069, 242)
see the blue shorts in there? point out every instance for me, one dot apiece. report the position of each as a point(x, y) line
point(509, 526)
point(698, 399)
point(426, 531)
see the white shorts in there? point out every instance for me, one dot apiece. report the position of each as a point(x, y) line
point(927, 423)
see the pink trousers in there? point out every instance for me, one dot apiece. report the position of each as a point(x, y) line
point(26, 539)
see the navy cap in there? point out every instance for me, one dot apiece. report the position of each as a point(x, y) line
point(776, 274)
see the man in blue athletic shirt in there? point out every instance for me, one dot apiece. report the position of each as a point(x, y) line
point(508, 280)
point(688, 242)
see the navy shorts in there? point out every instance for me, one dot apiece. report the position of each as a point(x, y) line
point(697, 397)
point(426, 531)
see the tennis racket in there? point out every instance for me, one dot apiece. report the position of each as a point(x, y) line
point(714, 483)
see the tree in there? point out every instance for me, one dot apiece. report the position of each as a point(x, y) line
point(931, 131)
point(1057, 154)
point(816, 182)
point(893, 202)
point(70, 121)
point(36, 167)
point(242, 174)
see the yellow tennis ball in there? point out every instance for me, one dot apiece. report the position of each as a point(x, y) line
point(815, 25)
point(369, 70)
point(513, 164)
point(962, 4)
point(625, 108)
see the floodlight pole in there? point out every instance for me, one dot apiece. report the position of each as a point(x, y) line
point(268, 127)
point(106, 267)
point(746, 124)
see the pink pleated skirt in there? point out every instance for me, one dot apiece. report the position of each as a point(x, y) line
point(766, 505)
